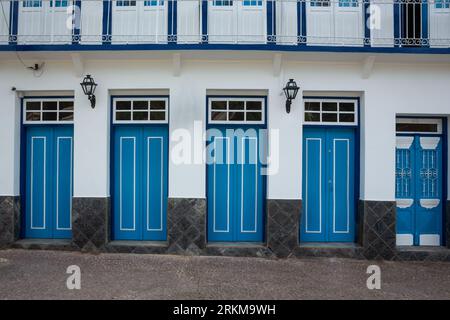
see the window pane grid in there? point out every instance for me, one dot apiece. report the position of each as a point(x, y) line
point(48, 111)
point(330, 111)
point(236, 111)
point(140, 110)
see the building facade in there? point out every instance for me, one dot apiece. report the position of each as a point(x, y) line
point(190, 148)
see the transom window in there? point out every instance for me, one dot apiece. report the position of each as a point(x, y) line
point(140, 110)
point(236, 110)
point(331, 111)
point(48, 110)
point(417, 125)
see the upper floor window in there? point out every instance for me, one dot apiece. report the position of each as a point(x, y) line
point(126, 3)
point(38, 4)
point(223, 3)
point(252, 2)
point(32, 4)
point(60, 4)
point(140, 110)
point(236, 110)
point(153, 3)
point(442, 4)
point(322, 3)
point(48, 110)
point(348, 3)
point(331, 111)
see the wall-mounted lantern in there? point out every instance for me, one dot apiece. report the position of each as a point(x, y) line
point(290, 91)
point(89, 86)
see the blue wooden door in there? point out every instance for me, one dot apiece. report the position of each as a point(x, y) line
point(419, 190)
point(235, 186)
point(48, 199)
point(140, 182)
point(328, 185)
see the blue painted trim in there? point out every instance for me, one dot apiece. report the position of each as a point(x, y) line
point(205, 21)
point(445, 172)
point(271, 21)
point(445, 168)
point(424, 14)
point(23, 175)
point(172, 21)
point(23, 158)
point(366, 18)
point(397, 30)
point(357, 129)
point(14, 14)
point(107, 27)
point(111, 149)
point(107, 46)
point(262, 126)
point(76, 31)
point(301, 22)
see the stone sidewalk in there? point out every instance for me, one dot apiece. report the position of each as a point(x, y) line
point(27, 274)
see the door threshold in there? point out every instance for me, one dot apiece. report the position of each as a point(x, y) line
point(43, 241)
point(422, 248)
point(137, 243)
point(330, 245)
point(236, 244)
point(44, 244)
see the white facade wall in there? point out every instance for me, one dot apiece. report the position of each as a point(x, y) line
point(413, 89)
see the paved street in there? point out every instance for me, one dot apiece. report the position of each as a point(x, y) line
point(42, 275)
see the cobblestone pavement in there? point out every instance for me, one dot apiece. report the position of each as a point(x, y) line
point(28, 274)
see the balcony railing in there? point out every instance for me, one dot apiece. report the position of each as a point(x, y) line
point(353, 23)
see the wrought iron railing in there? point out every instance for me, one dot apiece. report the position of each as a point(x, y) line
point(376, 23)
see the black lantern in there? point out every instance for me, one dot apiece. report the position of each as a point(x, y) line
point(290, 91)
point(89, 86)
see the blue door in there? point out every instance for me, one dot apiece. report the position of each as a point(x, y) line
point(235, 185)
point(328, 185)
point(48, 199)
point(419, 190)
point(140, 182)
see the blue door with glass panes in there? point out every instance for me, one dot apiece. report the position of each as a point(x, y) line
point(235, 184)
point(328, 185)
point(140, 182)
point(419, 190)
point(49, 180)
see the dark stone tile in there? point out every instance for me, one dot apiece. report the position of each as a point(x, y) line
point(378, 229)
point(90, 225)
point(9, 220)
point(283, 218)
point(186, 223)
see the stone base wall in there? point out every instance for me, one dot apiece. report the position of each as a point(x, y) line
point(90, 223)
point(186, 225)
point(377, 229)
point(187, 232)
point(283, 217)
point(9, 220)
